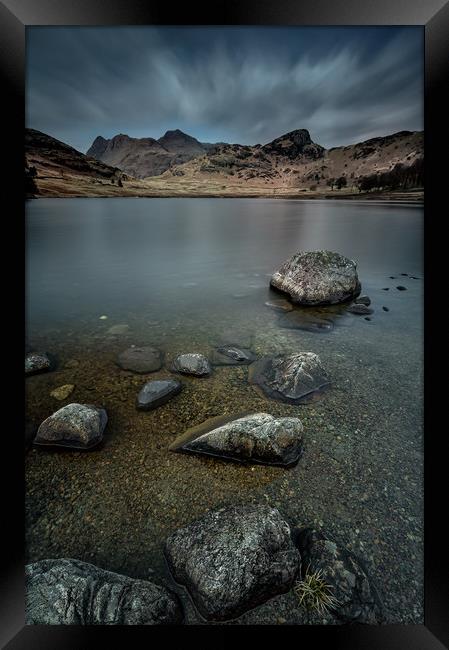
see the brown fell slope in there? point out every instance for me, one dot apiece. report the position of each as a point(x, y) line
point(294, 162)
point(290, 166)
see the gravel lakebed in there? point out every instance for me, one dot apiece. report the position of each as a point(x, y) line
point(360, 478)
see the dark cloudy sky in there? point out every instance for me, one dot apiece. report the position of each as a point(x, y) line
point(232, 84)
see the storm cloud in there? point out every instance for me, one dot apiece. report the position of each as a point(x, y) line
point(231, 84)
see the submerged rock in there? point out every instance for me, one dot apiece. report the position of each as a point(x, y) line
point(233, 559)
point(71, 592)
point(255, 438)
point(158, 392)
point(116, 330)
point(301, 320)
point(192, 363)
point(71, 364)
point(232, 355)
point(77, 426)
point(279, 304)
point(317, 278)
point(363, 300)
point(63, 392)
point(140, 360)
point(358, 600)
point(360, 309)
point(37, 362)
point(234, 338)
point(289, 378)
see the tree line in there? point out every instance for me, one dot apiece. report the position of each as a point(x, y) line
point(399, 177)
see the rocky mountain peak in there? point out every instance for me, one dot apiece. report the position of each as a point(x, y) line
point(177, 141)
point(98, 147)
point(119, 139)
point(294, 144)
point(299, 136)
point(175, 133)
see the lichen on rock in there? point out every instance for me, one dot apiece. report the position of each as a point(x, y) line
point(317, 278)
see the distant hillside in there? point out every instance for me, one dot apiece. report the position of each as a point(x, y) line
point(295, 161)
point(51, 162)
point(290, 166)
point(142, 157)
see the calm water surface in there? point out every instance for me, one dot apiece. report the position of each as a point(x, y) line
point(166, 257)
point(182, 274)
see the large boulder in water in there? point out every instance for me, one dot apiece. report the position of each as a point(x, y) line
point(77, 426)
point(71, 592)
point(289, 378)
point(357, 598)
point(317, 278)
point(255, 438)
point(233, 559)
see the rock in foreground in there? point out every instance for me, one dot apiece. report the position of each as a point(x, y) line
point(192, 363)
point(289, 378)
point(358, 600)
point(140, 360)
point(256, 438)
point(77, 426)
point(71, 592)
point(317, 278)
point(233, 559)
point(158, 392)
point(37, 362)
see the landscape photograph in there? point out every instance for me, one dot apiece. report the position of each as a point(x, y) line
point(224, 325)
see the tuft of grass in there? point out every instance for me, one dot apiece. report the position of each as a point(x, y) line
point(314, 593)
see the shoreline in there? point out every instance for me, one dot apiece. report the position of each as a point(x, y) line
point(405, 197)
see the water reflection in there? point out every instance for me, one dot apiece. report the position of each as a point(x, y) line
point(93, 256)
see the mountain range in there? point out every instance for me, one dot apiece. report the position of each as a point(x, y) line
point(179, 164)
point(142, 157)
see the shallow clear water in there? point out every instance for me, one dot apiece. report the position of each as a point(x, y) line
point(181, 274)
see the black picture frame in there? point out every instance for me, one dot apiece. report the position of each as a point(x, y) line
point(15, 16)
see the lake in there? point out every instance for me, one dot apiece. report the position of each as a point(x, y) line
point(182, 274)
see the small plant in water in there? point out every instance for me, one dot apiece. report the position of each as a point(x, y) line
point(314, 593)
